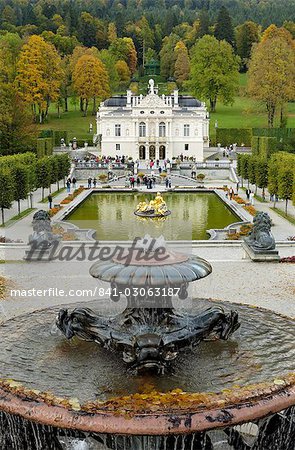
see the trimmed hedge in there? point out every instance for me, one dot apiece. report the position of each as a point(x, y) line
point(264, 146)
point(46, 133)
point(274, 132)
point(44, 147)
point(227, 136)
point(58, 135)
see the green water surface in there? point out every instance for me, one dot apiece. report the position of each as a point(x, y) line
point(112, 216)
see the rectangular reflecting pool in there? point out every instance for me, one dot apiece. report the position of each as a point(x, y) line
point(112, 216)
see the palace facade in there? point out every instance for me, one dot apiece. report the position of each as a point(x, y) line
point(153, 126)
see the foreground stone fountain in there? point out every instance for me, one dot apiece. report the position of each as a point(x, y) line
point(149, 332)
point(49, 392)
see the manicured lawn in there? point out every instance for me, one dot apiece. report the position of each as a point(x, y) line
point(244, 113)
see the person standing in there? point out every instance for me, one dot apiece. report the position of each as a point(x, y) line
point(167, 182)
point(50, 201)
point(252, 198)
point(231, 193)
point(238, 185)
point(94, 182)
point(68, 185)
point(89, 182)
point(74, 181)
point(248, 192)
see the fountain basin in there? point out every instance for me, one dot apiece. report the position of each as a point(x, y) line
point(72, 403)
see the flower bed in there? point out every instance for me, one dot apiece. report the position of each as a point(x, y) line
point(288, 259)
point(71, 197)
point(245, 230)
point(251, 210)
point(239, 199)
point(66, 235)
point(54, 211)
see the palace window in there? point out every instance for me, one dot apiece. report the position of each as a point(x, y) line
point(118, 147)
point(186, 130)
point(185, 146)
point(117, 130)
point(162, 129)
point(142, 129)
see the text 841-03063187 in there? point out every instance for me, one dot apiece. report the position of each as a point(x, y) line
point(144, 291)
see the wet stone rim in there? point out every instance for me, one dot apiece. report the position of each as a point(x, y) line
point(258, 401)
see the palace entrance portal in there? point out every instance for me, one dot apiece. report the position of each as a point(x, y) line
point(152, 152)
point(141, 152)
point(162, 152)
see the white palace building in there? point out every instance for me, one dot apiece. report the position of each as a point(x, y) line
point(153, 126)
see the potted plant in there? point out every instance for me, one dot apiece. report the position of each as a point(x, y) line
point(102, 177)
point(200, 177)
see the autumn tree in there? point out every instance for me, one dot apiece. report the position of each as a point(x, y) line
point(246, 35)
point(39, 75)
point(182, 63)
point(224, 28)
point(214, 71)
point(17, 134)
point(123, 71)
point(90, 80)
point(272, 73)
point(112, 32)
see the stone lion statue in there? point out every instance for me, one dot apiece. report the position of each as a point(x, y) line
point(42, 230)
point(261, 237)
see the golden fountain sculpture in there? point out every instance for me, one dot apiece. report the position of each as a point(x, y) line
point(155, 208)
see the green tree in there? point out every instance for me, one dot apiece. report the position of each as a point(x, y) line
point(224, 28)
point(43, 174)
point(92, 31)
point(10, 46)
point(214, 71)
point(109, 61)
point(290, 26)
point(64, 166)
point(261, 174)
point(285, 184)
point(20, 175)
point(124, 49)
point(54, 170)
point(244, 164)
point(167, 55)
point(6, 190)
point(252, 171)
point(246, 35)
point(273, 170)
point(203, 23)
